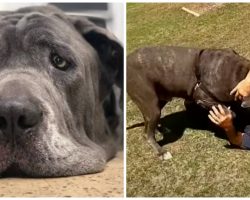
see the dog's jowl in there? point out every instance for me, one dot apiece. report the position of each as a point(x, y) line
point(57, 74)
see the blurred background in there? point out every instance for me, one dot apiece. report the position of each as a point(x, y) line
point(109, 15)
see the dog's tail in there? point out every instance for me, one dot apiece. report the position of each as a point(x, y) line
point(135, 125)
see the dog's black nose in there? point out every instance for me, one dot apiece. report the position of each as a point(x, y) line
point(18, 115)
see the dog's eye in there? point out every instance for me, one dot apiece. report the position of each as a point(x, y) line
point(59, 62)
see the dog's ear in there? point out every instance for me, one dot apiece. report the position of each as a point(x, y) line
point(109, 49)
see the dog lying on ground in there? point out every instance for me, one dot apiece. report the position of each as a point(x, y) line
point(57, 78)
point(206, 76)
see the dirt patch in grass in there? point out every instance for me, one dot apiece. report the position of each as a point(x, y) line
point(202, 165)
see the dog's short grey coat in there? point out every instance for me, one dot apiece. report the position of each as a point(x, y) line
point(74, 136)
point(206, 76)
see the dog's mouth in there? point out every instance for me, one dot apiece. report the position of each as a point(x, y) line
point(47, 151)
point(40, 161)
point(12, 151)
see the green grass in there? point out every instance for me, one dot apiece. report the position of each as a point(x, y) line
point(201, 164)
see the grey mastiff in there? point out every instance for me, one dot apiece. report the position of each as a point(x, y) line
point(206, 76)
point(56, 74)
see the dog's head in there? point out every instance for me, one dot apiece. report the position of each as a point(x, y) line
point(55, 72)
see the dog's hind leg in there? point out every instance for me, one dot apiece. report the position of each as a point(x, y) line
point(148, 103)
point(161, 105)
point(152, 114)
point(153, 118)
point(151, 127)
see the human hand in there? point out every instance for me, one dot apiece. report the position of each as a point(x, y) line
point(221, 116)
point(241, 90)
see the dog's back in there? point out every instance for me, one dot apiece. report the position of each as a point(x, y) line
point(170, 70)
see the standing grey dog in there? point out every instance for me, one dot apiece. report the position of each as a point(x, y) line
point(57, 75)
point(203, 76)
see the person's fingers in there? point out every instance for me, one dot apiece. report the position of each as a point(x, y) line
point(233, 91)
point(214, 116)
point(216, 112)
point(222, 110)
point(212, 119)
point(240, 97)
point(227, 110)
point(237, 96)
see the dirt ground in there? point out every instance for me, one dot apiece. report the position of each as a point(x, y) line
point(109, 183)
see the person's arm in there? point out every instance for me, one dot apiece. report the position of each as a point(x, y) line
point(222, 116)
point(235, 137)
point(242, 89)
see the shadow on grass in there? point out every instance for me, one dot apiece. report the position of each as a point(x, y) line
point(172, 126)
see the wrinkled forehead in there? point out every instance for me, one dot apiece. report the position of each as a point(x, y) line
point(37, 27)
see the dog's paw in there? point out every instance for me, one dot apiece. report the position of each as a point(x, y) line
point(166, 156)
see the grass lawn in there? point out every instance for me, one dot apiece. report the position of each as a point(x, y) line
point(201, 163)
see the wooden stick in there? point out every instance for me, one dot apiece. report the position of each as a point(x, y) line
point(191, 12)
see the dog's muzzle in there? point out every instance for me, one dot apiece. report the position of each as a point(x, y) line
point(20, 113)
